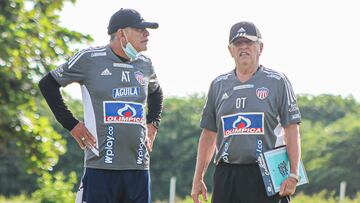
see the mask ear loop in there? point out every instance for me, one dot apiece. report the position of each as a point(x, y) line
point(129, 50)
point(127, 41)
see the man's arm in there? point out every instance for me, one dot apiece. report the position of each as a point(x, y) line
point(155, 105)
point(50, 89)
point(206, 148)
point(292, 136)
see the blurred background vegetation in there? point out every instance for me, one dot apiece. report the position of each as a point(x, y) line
point(40, 162)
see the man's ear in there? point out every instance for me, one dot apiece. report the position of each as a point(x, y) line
point(120, 33)
point(261, 47)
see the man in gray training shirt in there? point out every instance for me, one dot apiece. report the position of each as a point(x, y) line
point(118, 84)
point(249, 110)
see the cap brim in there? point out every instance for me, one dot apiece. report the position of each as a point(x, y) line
point(143, 25)
point(250, 37)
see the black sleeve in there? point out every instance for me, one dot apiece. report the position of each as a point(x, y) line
point(50, 89)
point(155, 105)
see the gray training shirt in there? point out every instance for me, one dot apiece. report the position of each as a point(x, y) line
point(249, 117)
point(114, 96)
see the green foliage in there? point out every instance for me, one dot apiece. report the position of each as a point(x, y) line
point(314, 141)
point(74, 158)
point(175, 147)
point(326, 108)
point(16, 199)
point(55, 188)
point(339, 156)
point(330, 142)
point(31, 43)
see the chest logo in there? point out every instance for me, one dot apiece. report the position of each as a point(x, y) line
point(106, 72)
point(225, 96)
point(123, 112)
point(243, 124)
point(139, 76)
point(126, 92)
point(262, 93)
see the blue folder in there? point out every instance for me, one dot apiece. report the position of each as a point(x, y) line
point(275, 168)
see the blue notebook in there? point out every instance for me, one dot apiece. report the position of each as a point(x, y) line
point(275, 168)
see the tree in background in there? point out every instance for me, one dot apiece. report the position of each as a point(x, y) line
point(73, 159)
point(330, 142)
point(344, 150)
point(175, 147)
point(326, 108)
point(31, 43)
point(332, 155)
point(55, 188)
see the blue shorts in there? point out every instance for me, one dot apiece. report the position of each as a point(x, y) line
point(114, 186)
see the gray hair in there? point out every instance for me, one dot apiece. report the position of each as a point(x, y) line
point(112, 36)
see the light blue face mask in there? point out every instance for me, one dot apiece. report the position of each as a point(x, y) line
point(130, 51)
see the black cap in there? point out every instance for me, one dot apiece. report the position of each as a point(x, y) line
point(244, 29)
point(128, 18)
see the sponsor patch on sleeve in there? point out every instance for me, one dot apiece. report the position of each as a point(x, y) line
point(123, 112)
point(243, 124)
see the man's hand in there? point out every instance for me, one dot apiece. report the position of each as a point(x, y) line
point(151, 134)
point(288, 187)
point(198, 188)
point(83, 137)
point(206, 149)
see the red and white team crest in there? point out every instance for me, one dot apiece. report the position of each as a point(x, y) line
point(140, 77)
point(262, 92)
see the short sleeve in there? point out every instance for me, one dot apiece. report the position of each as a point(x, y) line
point(153, 81)
point(148, 69)
point(71, 71)
point(288, 109)
point(208, 118)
